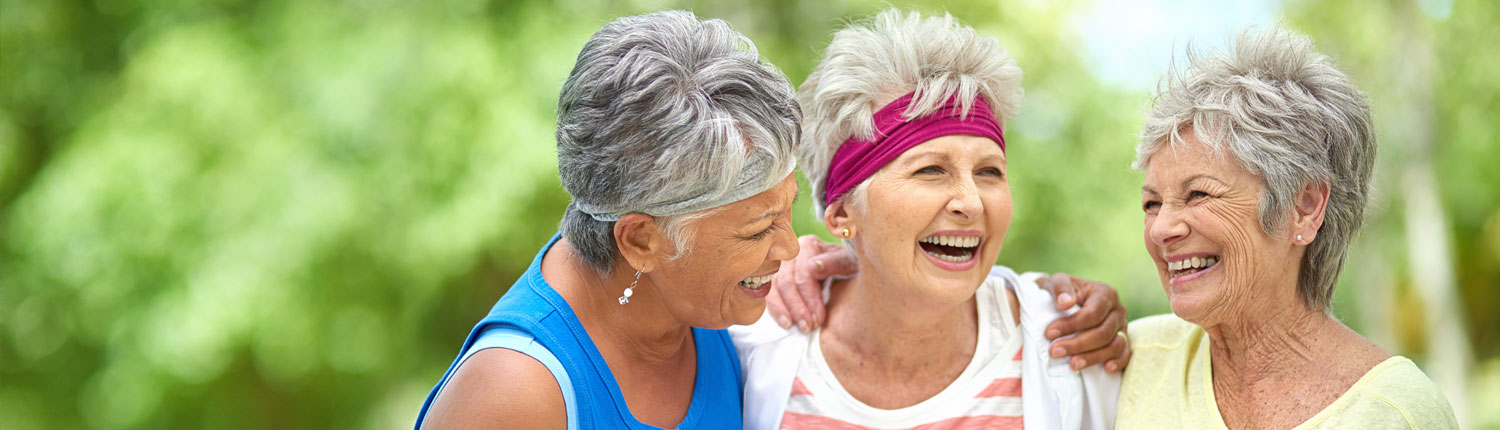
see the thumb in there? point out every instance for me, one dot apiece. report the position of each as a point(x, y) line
point(838, 262)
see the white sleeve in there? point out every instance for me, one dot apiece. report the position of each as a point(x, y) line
point(769, 356)
point(1054, 396)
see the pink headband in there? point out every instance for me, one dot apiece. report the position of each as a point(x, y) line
point(856, 160)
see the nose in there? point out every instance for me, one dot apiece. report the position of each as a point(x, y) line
point(1167, 226)
point(965, 202)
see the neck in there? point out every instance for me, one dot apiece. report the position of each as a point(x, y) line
point(643, 329)
point(1269, 346)
point(882, 324)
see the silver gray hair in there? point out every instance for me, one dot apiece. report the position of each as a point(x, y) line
point(1289, 115)
point(873, 62)
point(662, 113)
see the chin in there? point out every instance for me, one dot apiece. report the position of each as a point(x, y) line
point(1190, 309)
point(960, 291)
point(743, 315)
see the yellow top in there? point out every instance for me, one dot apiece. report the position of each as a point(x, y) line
point(1168, 385)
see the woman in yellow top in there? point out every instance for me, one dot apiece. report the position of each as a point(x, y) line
point(1257, 167)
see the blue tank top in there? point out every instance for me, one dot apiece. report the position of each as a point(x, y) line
point(531, 307)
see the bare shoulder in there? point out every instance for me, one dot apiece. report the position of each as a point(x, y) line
point(497, 386)
point(1355, 351)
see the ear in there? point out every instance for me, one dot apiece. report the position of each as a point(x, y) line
point(1309, 204)
point(837, 218)
point(640, 241)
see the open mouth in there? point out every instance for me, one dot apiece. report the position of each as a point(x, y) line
point(756, 282)
point(1191, 265)
point(953, 249)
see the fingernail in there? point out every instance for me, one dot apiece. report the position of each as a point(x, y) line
point(1076, 363)
point(1064, 298)
point(784, 323)
point(1111, 366)
point(803, 325)
point(1058, 352)
point(1053, 333)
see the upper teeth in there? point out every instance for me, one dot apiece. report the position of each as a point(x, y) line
point(958, 241)
point(755, 282)
point(1192, 263)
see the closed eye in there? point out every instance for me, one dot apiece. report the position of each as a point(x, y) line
point(1195, 195)
point(763, 234)
point(766, 232)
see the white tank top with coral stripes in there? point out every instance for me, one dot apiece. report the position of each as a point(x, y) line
point(987, 395)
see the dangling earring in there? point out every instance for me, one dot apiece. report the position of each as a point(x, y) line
point(630, 291)
point(845, 232)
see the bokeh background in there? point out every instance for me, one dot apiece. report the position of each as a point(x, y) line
point(288, 213)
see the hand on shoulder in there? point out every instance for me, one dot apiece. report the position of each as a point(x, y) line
point(499, 387)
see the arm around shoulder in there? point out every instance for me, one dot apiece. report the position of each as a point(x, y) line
point(499, 387)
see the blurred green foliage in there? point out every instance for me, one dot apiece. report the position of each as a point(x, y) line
point(287, 214)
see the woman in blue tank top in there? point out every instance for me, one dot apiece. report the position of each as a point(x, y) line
point(675, 141)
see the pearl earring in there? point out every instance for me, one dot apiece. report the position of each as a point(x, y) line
point(1299, 238)
point(630, 291)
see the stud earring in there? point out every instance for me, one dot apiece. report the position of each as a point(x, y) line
point(846, 232)
point(1299, 238)
point(630, 291)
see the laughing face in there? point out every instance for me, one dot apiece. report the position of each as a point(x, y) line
point(1203, 232)
point(934, 219)
point(736, 250)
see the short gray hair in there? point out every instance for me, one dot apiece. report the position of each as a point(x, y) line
point(662, 108)
point(1289, 115)
point(886, 57)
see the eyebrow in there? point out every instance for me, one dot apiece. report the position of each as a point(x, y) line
point(768, 215)
point(930, 153)
point(993, 157)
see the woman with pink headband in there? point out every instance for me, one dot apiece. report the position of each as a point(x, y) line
point(904, 146)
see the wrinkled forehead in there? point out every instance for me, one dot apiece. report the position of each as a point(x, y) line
point(955, 147)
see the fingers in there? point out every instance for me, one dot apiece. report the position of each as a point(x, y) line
point(1092, 339)
point(1123, 360)
point(1064, 292)
point(810, 293)
point(798, 285)
point(837, 261)
point(1117, 347)
point(807, 283)
point(1091, 315)
point(1096, 302)
point(775, 305)
point(784, 287)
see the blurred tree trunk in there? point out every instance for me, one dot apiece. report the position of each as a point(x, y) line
point(1429, 254)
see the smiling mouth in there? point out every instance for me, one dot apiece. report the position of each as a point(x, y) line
point(1192, 265)
point(954, 249)
point(756, 282)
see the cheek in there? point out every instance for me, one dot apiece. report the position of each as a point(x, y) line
point(997, 200)
point(1235, 225)
point(726, 264)
point(896, 211)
